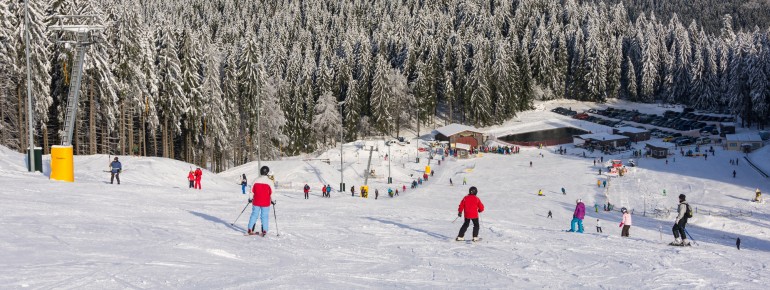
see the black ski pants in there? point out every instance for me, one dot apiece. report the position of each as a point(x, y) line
point(115, 175)
point(679, 229)
point(464, 228)
point(624, 232)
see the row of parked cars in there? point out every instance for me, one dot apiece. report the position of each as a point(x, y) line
point(683, 121)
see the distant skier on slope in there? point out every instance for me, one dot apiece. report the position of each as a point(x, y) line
point(328, 190)
point(625, 223)
point(191, 178)
point(306, 190)
point(472, 206)
point(244, 183)
point(684, 213)
point(198, 177)
point(598, 226)
point(261, 201)
point(577, 217)
point(115, 169)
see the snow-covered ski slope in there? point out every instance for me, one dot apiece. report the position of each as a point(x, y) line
point(152, 232)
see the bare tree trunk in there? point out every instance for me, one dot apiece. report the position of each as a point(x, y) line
point(122, 133)
point(92, 119)
point(22, 127)
point(131, 132)
point(164, 136)
point(45, 139)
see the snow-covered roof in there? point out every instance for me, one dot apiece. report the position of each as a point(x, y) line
point(602, 137)
point(629, 129)
point(452, 129)
point(744, 137)
point(463, 146)
point(659, 144)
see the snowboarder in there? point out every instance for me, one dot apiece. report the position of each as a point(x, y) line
point(540, 192)
point(625, 223)
point(323, 190)
point(733, 176)
point(577, 216)
point(115, 169)
point(472, 206)
point(261, 201)
point(598, 226)
point(244, 183)
point(684, 213)
point(465, 181)
point(550, 215)
point(564, 192)
point(306, 190)
point(191, 178)
point(198, 177)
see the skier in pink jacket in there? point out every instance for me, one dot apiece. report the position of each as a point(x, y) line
point(625, 223)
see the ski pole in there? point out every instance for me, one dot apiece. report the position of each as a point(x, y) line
point(688, 234)
point(239, 216)
point(275, 218)
point(456, 219)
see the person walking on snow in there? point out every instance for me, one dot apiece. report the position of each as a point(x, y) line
point(472, 206)
point(376, 193)
point(115, 169)
point(191, 178)
point(198, 176)
point(244, 183)
point(733, 174)
point(550, 215)
point(564, 192)
point(683, 215)
point(261, 201)
point(577, 217)
point(329, 190)
point(306, 189)
point(598, 226)
point(465, 181)
point(323, 190)
point(450, 182)
point(625, 223)
point(352, 191)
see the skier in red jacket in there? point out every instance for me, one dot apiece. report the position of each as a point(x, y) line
point(472, 206)
point(198, 176)
point(261, 201)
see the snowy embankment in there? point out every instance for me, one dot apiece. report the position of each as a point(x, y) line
point(153, 232)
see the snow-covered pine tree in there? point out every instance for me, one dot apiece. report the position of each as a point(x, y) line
point(172, 103)
point(39, 64)
point(326, 120)
point(215, 108)
point(9, 129)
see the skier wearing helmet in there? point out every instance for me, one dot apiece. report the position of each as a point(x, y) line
point(625, 223)
point(472, 206)
point(261, 200)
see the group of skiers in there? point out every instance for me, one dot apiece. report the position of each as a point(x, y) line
point(684, 212)
point(194, 178)
point(326, 190)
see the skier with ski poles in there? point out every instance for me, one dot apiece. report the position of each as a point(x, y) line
point(261, 201)
point(472, 206)
point(115, 169)
point(683, 214)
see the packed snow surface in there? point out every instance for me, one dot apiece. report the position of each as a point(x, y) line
point(152, 232)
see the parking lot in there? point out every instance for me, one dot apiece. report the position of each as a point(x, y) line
point(670, 126)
